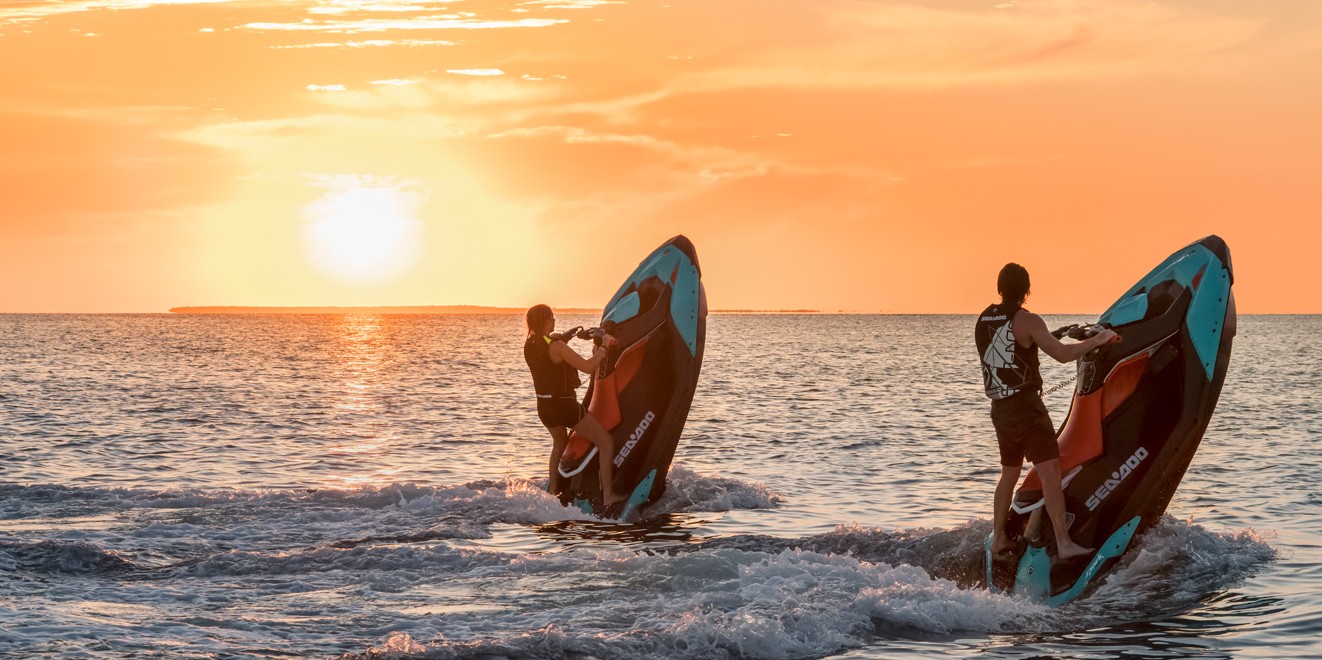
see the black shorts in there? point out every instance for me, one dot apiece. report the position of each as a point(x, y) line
point(1023, 429)
point(560, 411)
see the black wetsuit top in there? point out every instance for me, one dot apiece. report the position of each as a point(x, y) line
point(1007, 367)
point(550, 380)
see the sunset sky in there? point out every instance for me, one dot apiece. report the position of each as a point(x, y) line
point(868, 156)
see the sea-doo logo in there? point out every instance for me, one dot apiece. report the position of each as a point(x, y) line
point(634, 438)
point(1127, 468)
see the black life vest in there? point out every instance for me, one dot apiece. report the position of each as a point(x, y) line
point(550, 380)
point(1007, 367)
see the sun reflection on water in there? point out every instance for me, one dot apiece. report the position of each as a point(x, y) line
point(365, 437)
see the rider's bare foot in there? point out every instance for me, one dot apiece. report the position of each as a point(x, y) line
point(1070, 550)
point(613, 509)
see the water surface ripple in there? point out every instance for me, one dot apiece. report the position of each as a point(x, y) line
point(371, 486)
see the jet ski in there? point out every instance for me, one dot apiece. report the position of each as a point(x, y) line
point(1139, 411)
point(642, 391)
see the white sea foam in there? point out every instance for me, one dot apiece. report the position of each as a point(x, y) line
point(1177, 564)
point(732, 603)
point(687, 490)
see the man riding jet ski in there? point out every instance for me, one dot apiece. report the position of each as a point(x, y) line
point(1139, 412)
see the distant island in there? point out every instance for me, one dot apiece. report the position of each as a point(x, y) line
point(433, 309)
point(410, 309)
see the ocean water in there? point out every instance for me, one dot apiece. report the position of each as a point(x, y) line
point(370, 487)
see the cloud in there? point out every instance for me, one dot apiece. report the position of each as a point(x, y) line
point(385, 6)
point(483, 98)
point(367, 43)
point(476, 72)
point(37, 11)
point(412, 24)
point(572, 4)
point(899, 46)
point(327, 131)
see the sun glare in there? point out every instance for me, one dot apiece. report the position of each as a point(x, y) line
point(363, 231)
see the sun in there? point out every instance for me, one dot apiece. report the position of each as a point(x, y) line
point(363, 231)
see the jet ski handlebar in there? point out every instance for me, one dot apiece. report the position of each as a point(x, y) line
point(1076, 331)
point(579, 332)
point(1081, 332)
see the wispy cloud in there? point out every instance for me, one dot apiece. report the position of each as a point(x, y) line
point(24, 12)
point(571, 4)
point(333, 130)
point(365, 6)
point(385, 25)
point(468, 90)
point(368, 43)
point(872, 46)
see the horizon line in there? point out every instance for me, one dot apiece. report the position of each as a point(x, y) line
point(478, 310)
point(473, 310)
point(427, 309)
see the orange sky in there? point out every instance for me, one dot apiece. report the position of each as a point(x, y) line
point(822, 154)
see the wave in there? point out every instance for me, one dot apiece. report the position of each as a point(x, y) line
point(730, 603)
point(686, 491)
point(233, 531)
point(755, 596)
point(433, 558)
point(689, 491)
point(1178, 563)
point(72, 557)
point(479, 570)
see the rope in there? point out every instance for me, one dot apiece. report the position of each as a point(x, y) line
point(1059, 385)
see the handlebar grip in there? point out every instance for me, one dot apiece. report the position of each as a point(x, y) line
point(1064, 330)
point(566, 335)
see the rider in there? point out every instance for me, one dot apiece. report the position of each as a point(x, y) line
point(555, 366)
point(1008, 337)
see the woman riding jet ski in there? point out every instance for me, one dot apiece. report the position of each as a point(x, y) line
point(641, 391)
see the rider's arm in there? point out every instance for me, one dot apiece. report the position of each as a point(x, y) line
point(1031, 324)
point(561, 352)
